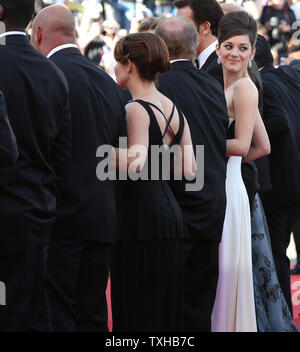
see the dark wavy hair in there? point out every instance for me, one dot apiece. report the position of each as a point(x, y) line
point(203, 10)
point(147, 51)
point(237, 23)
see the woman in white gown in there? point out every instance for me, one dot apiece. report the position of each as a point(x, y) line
point(234, 308)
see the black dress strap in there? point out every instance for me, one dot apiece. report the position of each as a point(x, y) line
point(179, 134)
point(156, 107)
point(146, 106)
point(168, 121)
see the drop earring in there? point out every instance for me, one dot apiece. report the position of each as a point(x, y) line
point(250, 64)
point(218, 60)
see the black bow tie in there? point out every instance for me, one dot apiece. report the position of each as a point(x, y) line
point(197, 63)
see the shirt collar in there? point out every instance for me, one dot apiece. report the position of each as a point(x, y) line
point(206, 53)
point(61, 47)
point(12, 33)
point(172, 61)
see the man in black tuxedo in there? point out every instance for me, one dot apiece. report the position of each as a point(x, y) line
point(80, 248)
point(204, 106)
point(37, 102)
point(281, 118)
point(295, 63)
point(205, 14)
point(8, 145)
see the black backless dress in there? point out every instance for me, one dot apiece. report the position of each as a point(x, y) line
point(148, 259)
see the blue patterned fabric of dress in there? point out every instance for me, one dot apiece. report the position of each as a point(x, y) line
point(272, 312)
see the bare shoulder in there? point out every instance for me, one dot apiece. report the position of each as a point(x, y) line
point(135, 110)
point(245, 86)
point(245, 94)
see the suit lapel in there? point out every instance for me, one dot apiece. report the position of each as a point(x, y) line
point(209, 60)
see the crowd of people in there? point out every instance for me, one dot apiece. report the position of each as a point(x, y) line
point(204, 89)
point(96, 19)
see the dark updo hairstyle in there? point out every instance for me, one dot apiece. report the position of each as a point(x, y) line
point(237, 23)
point(147, 51)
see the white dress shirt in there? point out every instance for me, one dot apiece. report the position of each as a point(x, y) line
point(206, 53)
point(12, 33)
point(171, 61)
point(61, 47)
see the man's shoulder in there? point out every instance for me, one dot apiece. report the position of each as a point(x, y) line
point(79, 65)
point(272, 79)
point(178, 70)
point(193, 78)
point(28, 59)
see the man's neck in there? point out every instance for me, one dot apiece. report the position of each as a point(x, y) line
point(11, 28)
point(206, 43)
point(57, 47)
point(184, 57)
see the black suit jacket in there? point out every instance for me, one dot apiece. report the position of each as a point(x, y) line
point(37, 104)
point(8, 145)
point(214, 69)
point(85, 205)
point(203, 103)
point(281, 117)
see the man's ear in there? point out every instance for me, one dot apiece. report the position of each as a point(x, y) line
point(205, 28)
point(38, 35)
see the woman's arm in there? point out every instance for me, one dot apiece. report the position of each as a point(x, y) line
point(260, 141)
point(245, 102)
point(134, 156)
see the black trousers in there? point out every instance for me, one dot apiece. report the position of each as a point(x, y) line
point(280, 223)
point(24, 278)
point(200, 284)
point(76, 284)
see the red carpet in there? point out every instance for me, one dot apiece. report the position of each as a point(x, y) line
point(109, 306)
point(295, 289)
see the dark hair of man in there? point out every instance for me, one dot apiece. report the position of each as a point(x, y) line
point(147, 51)
point(237, 23)
point(203, 11)
point(17, 13)
point(263, 55)
point(148, 24)
point(182, 42)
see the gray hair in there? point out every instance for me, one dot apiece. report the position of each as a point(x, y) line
point(180, 35)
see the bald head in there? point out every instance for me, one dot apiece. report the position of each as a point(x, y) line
point(180, 35)
point(53, 26)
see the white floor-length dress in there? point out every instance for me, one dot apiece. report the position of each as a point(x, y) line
point(234, 307)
